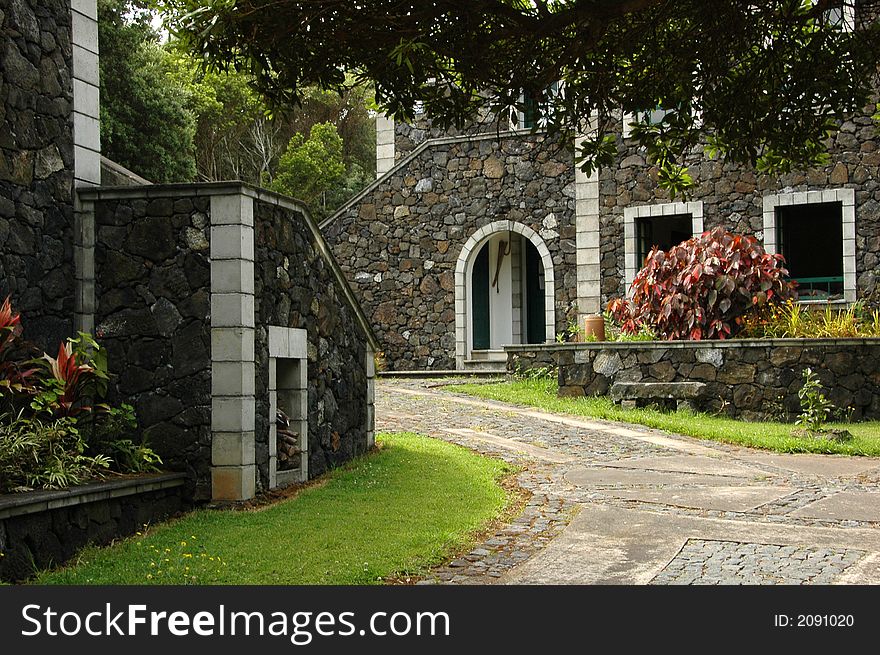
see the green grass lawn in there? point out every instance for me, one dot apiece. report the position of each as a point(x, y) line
point(398, 511)
point(541, 393)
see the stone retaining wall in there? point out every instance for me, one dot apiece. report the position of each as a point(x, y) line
point(43, 529)
point(748, 379)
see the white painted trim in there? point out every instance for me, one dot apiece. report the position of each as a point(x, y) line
point(630, 214)
point(587, 238)
point(385, 154)
point(462, 275)
point(847, 199)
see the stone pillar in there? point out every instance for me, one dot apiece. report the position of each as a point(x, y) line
point(233, 407)
point(589, 290)
point(86, 152)
point(384, 144)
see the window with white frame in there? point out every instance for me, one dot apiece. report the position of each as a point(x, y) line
point(533, 108)
point(663, 225)
point(815, 232)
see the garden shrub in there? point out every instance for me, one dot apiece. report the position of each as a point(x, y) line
point(701, 288)
point(53, 433)
point(50, 454)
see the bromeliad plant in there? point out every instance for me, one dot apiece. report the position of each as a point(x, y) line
point(53, 433)
point(702, 288)
point(15, 371)
point(77, 375)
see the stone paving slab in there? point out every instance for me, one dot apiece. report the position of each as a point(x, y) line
point(724, 499)
point(844, 505)
point(688, 464)
point(613, 545)
point(600, 477)
point(833, 466)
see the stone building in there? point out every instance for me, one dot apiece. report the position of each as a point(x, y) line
point(471, 241)
point(218, 303)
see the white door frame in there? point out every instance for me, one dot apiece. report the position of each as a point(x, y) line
point(463, 270)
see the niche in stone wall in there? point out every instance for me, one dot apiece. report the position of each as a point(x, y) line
point(288, 407)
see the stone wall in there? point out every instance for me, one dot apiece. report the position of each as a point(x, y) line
point(732, 196)
point(295, 287)
point(44, 529)
point(152, 290)
point(399, 244)
point(748, 379)
point(36, 166)
point(188, 281)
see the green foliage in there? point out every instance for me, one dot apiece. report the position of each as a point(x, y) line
point(572, 332)
point(815, 407)
point(614, 331)
point(104, 431)
point(397, 511)
point(701, 288)
point(311, 167)
point(145, 123)
point(52, 434)
point(536, 373)
point(763, 82)
point(48, 454)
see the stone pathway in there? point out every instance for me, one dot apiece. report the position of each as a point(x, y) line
point(621, 504)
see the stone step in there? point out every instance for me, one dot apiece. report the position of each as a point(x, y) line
point(494, 365)
point(488, 355)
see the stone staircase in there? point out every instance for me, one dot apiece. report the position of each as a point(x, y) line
point(494, 361)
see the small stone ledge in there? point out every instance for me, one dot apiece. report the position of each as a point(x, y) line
point(651, 390)
point(32, 502)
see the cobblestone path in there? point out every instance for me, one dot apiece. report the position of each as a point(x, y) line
point(623, 504)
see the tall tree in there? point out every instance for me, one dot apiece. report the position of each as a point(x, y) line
point(145, 124)
point(763, 81)
point(310, 168)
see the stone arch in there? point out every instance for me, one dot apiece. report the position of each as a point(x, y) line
point(465, 258)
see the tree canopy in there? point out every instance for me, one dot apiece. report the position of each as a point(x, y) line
point(145, 123)
point(168, 120)
point(764, 82)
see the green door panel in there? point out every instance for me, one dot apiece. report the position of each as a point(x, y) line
point(535, 328)
point(480, 300)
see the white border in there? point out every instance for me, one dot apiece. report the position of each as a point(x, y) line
point(630, 214)
point(847, 198)
point(462, 269)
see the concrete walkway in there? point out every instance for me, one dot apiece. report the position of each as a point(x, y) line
point(621, 504)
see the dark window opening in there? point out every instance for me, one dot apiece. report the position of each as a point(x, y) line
point(811, 240)
point(661, 231)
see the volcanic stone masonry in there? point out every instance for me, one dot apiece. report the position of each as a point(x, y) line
point(36, 166)
point(751, 379)
point(399, 243)
point(162, 283)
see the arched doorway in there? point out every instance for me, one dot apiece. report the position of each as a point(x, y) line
point(504, 292)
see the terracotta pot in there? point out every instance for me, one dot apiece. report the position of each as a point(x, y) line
point(595, 325)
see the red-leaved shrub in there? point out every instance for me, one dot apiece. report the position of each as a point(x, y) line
point(701, 288)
